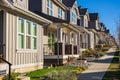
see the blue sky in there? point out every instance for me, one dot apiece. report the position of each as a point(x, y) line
point(109, 12)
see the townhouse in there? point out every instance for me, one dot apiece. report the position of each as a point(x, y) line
point(21, 33)
point(35, 33)
point(60, 37)
point(94, 24)
point(83, 22)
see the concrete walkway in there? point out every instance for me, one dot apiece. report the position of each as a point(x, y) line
point(98, 68)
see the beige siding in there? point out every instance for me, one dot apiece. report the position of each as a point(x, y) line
point(92, 40)
point(85, 21)
point(74, 9)
point(55, 9)
point(22, 5)
point(21, 57)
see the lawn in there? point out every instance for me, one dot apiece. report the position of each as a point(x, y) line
point(113, 72)
point(35, 75)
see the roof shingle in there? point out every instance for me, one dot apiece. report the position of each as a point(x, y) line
point(68, 3)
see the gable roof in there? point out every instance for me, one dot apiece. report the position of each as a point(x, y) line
point(82, 11)
point(93, 16)
point(68, 3)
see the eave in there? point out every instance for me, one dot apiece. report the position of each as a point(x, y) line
point(4, 4)
point(61, 5)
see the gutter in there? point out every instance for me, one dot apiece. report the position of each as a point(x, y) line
point(25, 12)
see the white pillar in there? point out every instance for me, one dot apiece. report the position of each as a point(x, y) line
point(59, 34)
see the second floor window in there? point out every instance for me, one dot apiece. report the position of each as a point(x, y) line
point(49, 7)
point(60, 1)
point(73, 17)
point(59, 13)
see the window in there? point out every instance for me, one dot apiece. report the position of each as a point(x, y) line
point(60, 1)
point(73, 18)
point(49, 7)
point(59, 13)
point(27, 34)
point(20, 0)
point(20, 33)
point(72, 38)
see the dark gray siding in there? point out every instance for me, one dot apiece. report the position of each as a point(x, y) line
point(35, 5)
point(1, 31)
point(92, 25)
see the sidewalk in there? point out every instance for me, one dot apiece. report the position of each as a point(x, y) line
point(98, 68)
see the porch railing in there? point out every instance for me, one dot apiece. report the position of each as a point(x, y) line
point(61, 48)
point(48, 49)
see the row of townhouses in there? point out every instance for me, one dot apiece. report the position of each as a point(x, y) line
point(34, 33)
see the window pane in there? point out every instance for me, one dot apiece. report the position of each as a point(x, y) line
point(21, 25)
point(20, 41)
point(34, 30)
point(28, 28)
point(28, 42)
point(51, 12)
point(34, 43)
point(50, 5)
point(47, 3)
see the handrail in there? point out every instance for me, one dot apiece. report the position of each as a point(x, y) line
point(9, 67)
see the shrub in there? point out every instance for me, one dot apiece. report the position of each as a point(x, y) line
point(13, 76)
point(80, 69)
point(61, 75)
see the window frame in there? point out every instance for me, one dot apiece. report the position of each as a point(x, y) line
point(49, 7)
point(60, 1)
point(73, 18)
point(25, 35)
point(59, 13)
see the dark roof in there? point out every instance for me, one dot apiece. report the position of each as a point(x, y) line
point(68, 3)
point(93, 16)
point(82, 11)
point(51, 18)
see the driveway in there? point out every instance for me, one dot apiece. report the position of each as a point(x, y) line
point(98, 68)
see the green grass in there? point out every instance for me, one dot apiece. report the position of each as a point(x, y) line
point(35, 75)
point(113, 71)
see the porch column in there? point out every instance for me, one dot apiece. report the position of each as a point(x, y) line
point(59, 34)
point(76, 36)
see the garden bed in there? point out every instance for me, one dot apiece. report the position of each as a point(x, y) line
point(57, 73)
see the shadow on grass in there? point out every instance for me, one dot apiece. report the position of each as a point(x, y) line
point(110, 75)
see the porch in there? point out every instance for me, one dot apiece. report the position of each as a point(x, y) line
point(59, 49)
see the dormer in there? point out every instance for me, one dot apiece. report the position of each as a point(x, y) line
point(23, 4)
point(94, 21)
point(84, 15)
point(73, 12)
point(54, 8)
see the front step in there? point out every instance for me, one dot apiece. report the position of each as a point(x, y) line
point(3, 68)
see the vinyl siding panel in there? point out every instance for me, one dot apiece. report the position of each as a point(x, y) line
point(21, 58)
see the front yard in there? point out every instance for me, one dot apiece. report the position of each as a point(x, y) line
point(57, 73)
point(113, 72)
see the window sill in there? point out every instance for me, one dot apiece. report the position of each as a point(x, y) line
point(26, 50)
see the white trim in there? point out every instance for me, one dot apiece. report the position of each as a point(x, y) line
point(50, 9)
point(24, 34)
point(26, 65)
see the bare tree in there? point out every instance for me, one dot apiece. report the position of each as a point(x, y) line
point(119, 40)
